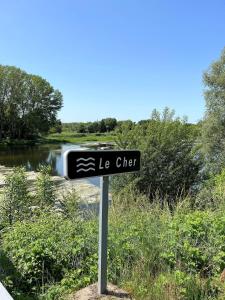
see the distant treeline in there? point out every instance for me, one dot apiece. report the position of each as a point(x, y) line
point(104, 125)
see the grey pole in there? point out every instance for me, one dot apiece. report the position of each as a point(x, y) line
point(103, 233)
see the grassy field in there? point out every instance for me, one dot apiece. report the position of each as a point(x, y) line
point(64, 137)
point(71, 137)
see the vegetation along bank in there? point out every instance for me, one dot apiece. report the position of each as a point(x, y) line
point(166, 223)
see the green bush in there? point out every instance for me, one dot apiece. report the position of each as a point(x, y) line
point(45, 249)
point(197, 243)
point(152, 253)
point(170, 160)
point(219, 191)
point(15, 201)
point(53, 251)
point(212, 194)
point(69, 204)
point(44, 188)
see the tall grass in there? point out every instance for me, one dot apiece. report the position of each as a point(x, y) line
point(154, 251)
point(178, 254)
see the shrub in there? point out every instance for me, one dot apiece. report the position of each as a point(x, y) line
point(51, 251)
point(197, 243)
point(69, 204)
point(170, 161)
point(45, 249)
point(212, 194)
point(44, 187)
point(136, 236)
point(15, 200)
point(220, 187)
point(153, 253)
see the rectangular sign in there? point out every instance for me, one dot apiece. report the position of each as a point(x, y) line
point(81, 164)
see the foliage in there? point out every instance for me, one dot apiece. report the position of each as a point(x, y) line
point(17, 203)
point(174, 285)
point(122, 201)
point(70, 204)
point(212, 193)
point(213, 129)
point(44, 188)
point(136, 235)
point(169, 158)
point(57, 128)
point(125, 123)
point(197, 243)
point(220, 185)
point(28, 104)
point(185, 259)
point(104, 125)
point(15, 200)
point(152, 253)
point(37, 250)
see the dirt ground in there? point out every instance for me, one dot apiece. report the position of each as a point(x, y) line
point(91, 293)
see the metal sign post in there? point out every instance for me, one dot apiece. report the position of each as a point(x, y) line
point(83, 164)
point(103, 233)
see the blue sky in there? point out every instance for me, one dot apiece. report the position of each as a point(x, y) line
point(116, 58)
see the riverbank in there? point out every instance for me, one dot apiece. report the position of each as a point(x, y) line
point(87, 192)
point(64, 137)
point(71, 137)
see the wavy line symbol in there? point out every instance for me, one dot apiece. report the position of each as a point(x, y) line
point(85, 170)
point(85, 159)
point(85, 164)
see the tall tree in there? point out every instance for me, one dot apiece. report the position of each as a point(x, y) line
point(213, 127)
point(102, 127)
point(3, 97)
point(110, 123)
point(28, 104)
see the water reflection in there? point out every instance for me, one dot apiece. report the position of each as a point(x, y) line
point(31, 157)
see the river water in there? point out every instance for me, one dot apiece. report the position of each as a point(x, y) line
point(31, 157)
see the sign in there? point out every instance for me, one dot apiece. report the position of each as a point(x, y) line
point(81, 164)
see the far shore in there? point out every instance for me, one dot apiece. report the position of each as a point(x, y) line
point(64, 137)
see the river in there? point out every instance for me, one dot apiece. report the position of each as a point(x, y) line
point(31, 157)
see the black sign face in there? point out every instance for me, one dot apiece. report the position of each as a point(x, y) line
point(81, 164)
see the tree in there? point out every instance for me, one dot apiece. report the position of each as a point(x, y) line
point(81, 128)
point(57, 128)
point(126, 123)
point(110, 123)
point(28, 104)
point(93, 127)
point(170, 162)
point(102, 127)
point(213, 127)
